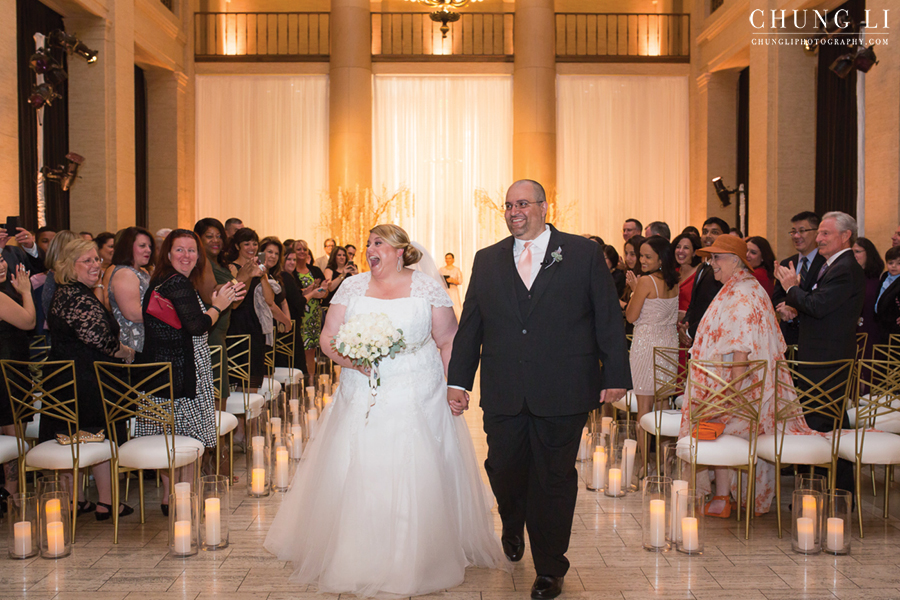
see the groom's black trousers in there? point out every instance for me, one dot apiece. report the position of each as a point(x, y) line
point(531, 466)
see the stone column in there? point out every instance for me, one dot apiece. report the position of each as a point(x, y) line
point(166, 150)
point(9, 111)
point(782, 137)
point(101, 121)
point(882, 133)
point(350, 96)
point(534, 93)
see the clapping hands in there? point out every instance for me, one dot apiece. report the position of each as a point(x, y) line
point(22, 280)
point(631, 280)
point(227, 294)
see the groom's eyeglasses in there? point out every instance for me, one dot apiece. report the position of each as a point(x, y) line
point(520, 204)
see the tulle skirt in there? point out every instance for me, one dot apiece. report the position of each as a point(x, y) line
point(388, 498)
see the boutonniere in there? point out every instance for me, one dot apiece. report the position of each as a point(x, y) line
point(555, 257)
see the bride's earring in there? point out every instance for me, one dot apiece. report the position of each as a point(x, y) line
point(399, 264)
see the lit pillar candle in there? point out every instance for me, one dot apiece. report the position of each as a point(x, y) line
point(598, 470)
point(678, 508)
point(311, 418)
point(326, 400)
point(182, 542)
point(310, 394)
point(258, 482)
point(690, 535)
point(629, 450)
point(295, 411)
point(605, 424)
point(213, 522)
point(809, 507)
point(296, 442)
point(281, 467)
point(52, 510)
point(835, 531)
point(805, 534)
point(276, 429)
point(658, 523)
point(56, 541)
point(183, 501)
point(614, 485)
point(337, 372)
point(23, 538)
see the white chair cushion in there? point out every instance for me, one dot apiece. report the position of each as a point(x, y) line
point(282, 373)
point(33, 428)
point(53, 455)
point(679, 401)
point(235, 403)
point(227, 422)
point(879, 448)
point(670, 422)
point(149, 451)
point(726, 451)
point(9, 449)
point(888, 421)
point(628, 403)
point(797, 449)
point(270, 388)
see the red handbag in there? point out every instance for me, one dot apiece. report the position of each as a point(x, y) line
point(163, 309)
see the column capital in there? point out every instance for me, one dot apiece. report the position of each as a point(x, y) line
point(703, 81)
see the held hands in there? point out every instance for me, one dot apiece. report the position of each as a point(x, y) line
point(683, 336)
point(631, 280)
point(22, 280)
point(125, 353)
point(611, 395)
point(459, 400)
point(787, 275)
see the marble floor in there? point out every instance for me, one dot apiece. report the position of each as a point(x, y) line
point(608, 561)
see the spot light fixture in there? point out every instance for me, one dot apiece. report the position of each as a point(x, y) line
point(42, 94)
point(64, 175)
point(444, 13)
point(722, 192)
point(71, 44)
point(860, 58)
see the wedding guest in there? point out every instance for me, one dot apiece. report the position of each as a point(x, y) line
point(337, 270)
point(106, 245)
point(618, 275)
point(322, 261)
point(736, 232)
point(685, 246)
point(231, 226)
point(895, 238)
point(659, 228)
point(653, 309)
point(127, 283)
point(310, 277)
point(705, 285)
point(887, 304)
point(351, 253)
point(632, 264)
point(691, 230)
point(297, 300)
point(53, 251)
point(632, 227)
point(82, 330)
point(17, 318)
point(161, 235)
point(25, 250)
point(87, 235)
point(178, 269)
point(807, 263)
point(44, 236)
point(281, 314)
point(453, 276)
point(739, 325)
point(762, 260)
point(868, 258)
point(245, 315)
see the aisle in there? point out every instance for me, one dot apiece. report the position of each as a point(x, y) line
point(607, 560)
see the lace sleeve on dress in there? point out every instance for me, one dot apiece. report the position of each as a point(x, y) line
point(85, 315)
point(427, 288)
point(351, 288)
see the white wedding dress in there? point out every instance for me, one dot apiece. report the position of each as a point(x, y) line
point(392, 503)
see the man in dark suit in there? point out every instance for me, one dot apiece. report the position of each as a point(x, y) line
point(705, 285)
point(807, 262)
point(540, 315)
point(887, 304)
point(829, 311)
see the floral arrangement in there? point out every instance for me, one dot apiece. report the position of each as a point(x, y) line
point(366, 339)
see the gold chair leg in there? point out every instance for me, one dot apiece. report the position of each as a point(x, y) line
point(859, 498)
point(74, 501)
point(887, 489)
point(157, 479)
point(778, 493)
point(114, 477)
point(231, 457)
point(872, 473)
point(127, 484)
point(141, 493)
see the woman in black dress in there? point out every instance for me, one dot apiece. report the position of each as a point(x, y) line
point(82, 330)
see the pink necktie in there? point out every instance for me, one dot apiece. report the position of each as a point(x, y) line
point(524, 265)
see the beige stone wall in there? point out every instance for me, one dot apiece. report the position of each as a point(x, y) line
point(9, 112)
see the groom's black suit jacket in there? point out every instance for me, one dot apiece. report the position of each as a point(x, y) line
point(541, 347)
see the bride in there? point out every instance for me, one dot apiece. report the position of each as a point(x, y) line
point(391, 502)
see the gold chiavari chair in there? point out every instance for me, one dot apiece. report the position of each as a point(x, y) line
point(669, 376)
point(226, 422)
point(880, 377)
point(790, 353)
point(270, 387)
point(797, 398)
point(628, 403)
point(724, 397)
point(894, 340)
point(143, 392)
point(285, 345)
point(39, 351)
point(241, 402)
point(53, 395)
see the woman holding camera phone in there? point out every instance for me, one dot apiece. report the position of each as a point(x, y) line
point(339, 268)
point(311, 279)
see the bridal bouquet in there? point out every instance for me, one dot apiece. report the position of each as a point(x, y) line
point(367, 338)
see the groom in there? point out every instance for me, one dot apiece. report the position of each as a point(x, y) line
point(540, 314)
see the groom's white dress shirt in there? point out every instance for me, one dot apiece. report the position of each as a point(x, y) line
point(538, 249)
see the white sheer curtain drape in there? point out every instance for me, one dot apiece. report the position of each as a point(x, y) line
point(443, 138)
point(262, 151)
point(623, 151)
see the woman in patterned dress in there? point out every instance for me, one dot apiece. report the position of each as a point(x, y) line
point(127, 283)
point(178, 269)
point(309, 275)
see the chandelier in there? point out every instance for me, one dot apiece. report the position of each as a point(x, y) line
point(444, 13)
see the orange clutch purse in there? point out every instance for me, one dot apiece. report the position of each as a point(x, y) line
point(708, 432)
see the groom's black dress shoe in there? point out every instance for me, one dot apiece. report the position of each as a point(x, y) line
point(513, 546)
point(546, 586)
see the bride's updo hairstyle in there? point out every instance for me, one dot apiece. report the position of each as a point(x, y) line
point(398, 239)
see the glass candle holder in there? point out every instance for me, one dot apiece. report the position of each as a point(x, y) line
point(838, 523)
point(614, 484)
point(584, 446)
point(294, 406)
point(281, 474)
point(810, 481)
point(688, 521)
point(676, 509)
point(624, 438)
point(184, 524)
point(806, 521)
point(312, 420)
point(186, 463)
point(310, 397)
point(24, 525)
point(295, 442)
point(258, 467)
point(275, 432)
point(55, 524)
point(655, 496)
point(325, 384)
point(596, 474)
point(215, 506)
